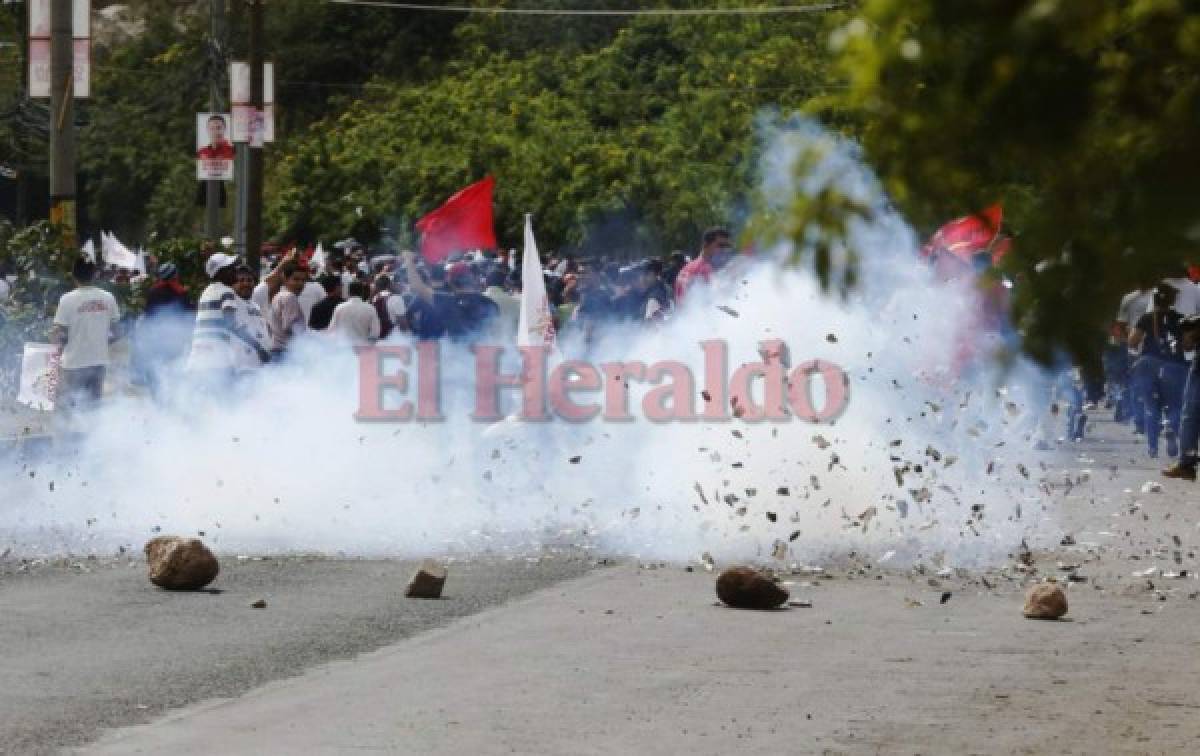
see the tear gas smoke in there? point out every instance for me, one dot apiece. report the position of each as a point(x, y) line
point(921, 463)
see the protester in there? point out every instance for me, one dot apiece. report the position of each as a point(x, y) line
point(389, 306)
point(266, 289)
point(1189, 426)
point(1159, 371)
point(252, 340)
point(83, 326)
point(595, 307)
point(477, 313)
point(567, 298)
point(432, 309)
point(508, 307)
point(355, 320)
point(163, 331)
point(310, 294)
point(1133, 306)
point(1187, 300)
point(211, 362)
point(715, 252)
point(644, 296)
point(337, 267)
point(167, 294)
point(322, 312)
point(286, 318)
point(675, 263)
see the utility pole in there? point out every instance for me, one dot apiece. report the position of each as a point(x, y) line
point(62, 119)
point(218, 63)
point(254, 157)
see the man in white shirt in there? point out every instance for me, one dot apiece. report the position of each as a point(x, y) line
point(264, 293)
point(286, 317)
point(252, 342)
point(355, 320)
point(83, 325)
point(308, 297)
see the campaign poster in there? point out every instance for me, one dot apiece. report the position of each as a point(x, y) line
point(214, 150)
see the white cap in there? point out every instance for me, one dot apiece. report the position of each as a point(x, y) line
point(217, 262)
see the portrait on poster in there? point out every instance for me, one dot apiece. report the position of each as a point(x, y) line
point(214, 151)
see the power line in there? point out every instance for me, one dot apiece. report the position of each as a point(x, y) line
point(751, 11)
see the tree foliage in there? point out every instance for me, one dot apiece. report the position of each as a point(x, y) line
point(1083, 118)
point(640, 141)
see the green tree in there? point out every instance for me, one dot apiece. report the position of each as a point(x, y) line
point(1084, 118)
point(651, 133)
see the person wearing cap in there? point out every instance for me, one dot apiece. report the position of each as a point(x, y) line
point(164, 329)
point(211, 358)
point(83, 327)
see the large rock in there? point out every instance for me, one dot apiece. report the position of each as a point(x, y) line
point(747, 588)
point(428, 581)
point(1045, 601)
point(180, 564)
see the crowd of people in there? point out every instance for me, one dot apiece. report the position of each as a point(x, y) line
point(1151, 372)
point(241, 321)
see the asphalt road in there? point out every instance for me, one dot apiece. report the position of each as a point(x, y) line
point(88, 645)
point(634, 661)
point(631, 660)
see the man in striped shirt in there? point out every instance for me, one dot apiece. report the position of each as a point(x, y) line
point(217, 324)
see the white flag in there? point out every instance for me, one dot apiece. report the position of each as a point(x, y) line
point(116, 253)
point(536, 325)
point(317, 263)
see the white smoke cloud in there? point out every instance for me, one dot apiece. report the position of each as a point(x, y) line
point(280, 465)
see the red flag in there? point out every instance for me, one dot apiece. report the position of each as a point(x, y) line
point(464, 222)
point(964, 237)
